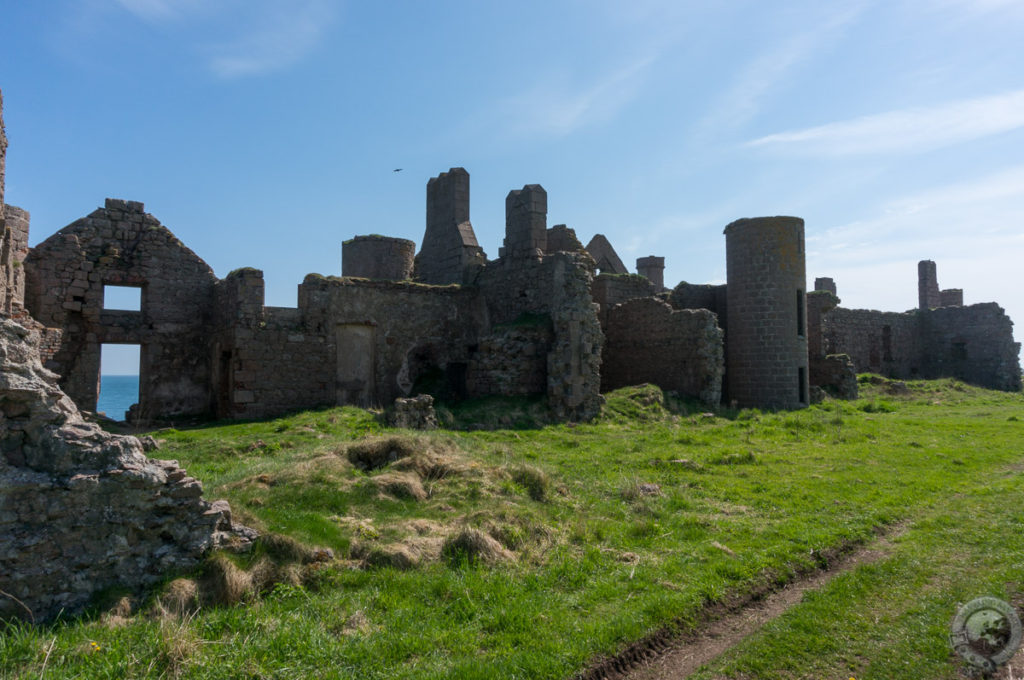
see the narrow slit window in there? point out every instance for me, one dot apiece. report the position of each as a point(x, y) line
point(801, 376)
point(801, 321)
point(122, 298)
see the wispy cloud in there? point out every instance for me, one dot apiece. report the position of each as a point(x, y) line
point(554, 108)
point(241, 38)
point(908, 130)
point(744, 98)
point(285, 35)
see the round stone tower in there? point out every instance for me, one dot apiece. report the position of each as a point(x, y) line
point(766, 317)
point(378, 257)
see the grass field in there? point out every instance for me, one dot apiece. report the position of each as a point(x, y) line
point(533, 551)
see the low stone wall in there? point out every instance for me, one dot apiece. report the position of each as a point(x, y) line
point(609, 290)
point(81, 509)
point(646, 341)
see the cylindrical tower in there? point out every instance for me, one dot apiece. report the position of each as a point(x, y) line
point(378, 257)
point(766, 341)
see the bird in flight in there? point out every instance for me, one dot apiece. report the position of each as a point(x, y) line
point(398, 170)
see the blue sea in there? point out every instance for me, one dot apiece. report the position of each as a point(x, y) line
point(117, 394)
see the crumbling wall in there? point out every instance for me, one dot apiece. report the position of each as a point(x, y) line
point(609, 290)
point(120, 244)
point(13, 251)
point(512, 359)
point(555, 287)
point(888, 343)
point(81, 509)
point(646, 341)
point(701, 296)
point(973, 343)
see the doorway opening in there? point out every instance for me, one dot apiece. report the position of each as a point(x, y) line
point(119, 379)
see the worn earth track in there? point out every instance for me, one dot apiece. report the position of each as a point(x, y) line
point(669, 654)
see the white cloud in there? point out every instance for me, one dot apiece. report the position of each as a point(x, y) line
point(742, 101)
point(284, 34)
point(241, 38)
point(909, 130)
point(553, 108)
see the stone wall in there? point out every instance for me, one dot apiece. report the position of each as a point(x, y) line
point(122, 245)
point(701, 296)
point(555, 287)
point(512, 359)
point(3, 155)
point(378, 257)
point(888, 343)
point(973, 343)
point(13, 251)
point(646, 341)
point(609, 290)
point(81, 509)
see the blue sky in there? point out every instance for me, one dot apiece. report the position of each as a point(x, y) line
point(264, 133)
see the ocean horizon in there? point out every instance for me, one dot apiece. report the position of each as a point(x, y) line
point(117, 394)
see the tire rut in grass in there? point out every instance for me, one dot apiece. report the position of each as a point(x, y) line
point(669, 654)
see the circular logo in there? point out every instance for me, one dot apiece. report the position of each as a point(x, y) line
point(986, 633)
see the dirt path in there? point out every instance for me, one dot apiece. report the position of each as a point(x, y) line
point(663, 657)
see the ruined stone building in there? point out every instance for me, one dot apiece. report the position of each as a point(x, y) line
point(548, 317)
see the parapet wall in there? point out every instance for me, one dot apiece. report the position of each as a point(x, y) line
point(646, 341)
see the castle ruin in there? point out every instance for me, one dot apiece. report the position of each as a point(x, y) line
point(547, 317)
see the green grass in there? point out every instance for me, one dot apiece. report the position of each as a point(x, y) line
point(617, 529)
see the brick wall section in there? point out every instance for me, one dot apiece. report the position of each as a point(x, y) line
point(378, 257)
point(653, 269)
point(121, 244)
point(766, 343)
point(927, 285)
point(449, 244)
point(646, 341)
point(888, 343)
point(609, 290)
point(974, 344)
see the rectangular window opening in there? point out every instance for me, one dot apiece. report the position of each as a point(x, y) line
point(119, 379)
point(801, 321)
point(801, 375)
point(122, 298)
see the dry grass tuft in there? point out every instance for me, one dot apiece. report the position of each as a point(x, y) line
point(177, 646)
point(402, 485)
point(180, 597)
point(533, 479)
point(374, 453)
point(284, 548)
point(409, 553)
point(224, 583)
point(474, 546)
